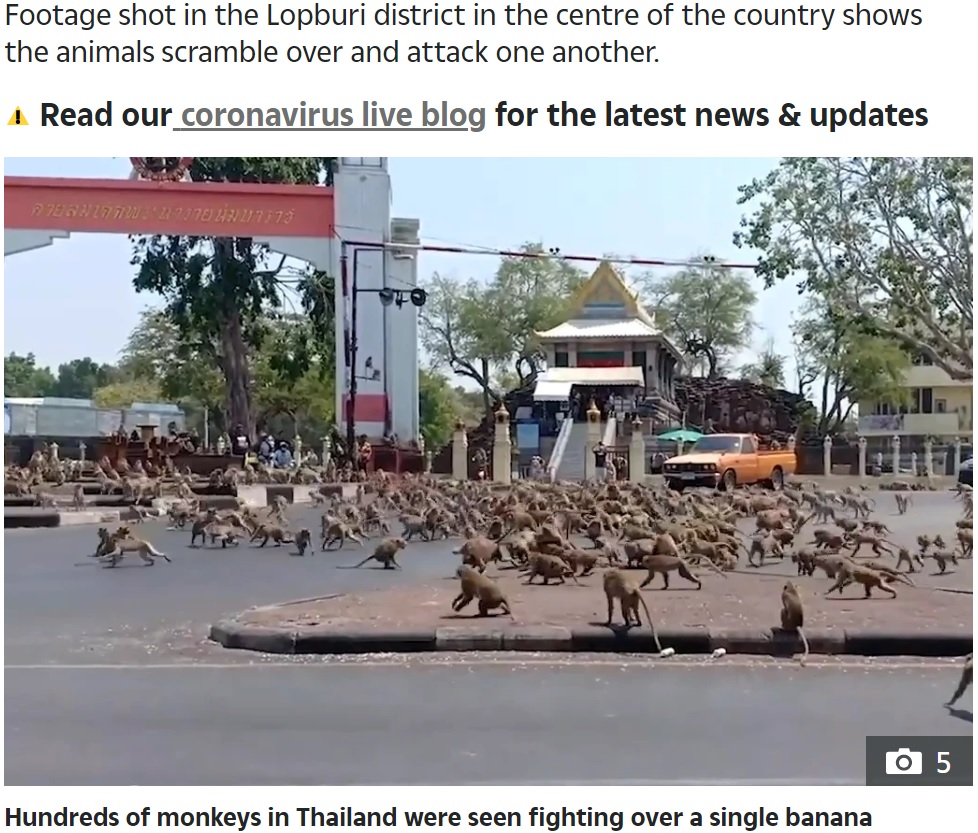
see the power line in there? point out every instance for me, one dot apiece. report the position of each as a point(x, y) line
point(551, 254)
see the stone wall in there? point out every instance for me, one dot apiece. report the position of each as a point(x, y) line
point(721, 406)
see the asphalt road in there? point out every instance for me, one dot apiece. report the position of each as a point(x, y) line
point(109, 679)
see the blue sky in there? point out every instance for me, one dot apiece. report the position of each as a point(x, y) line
point(657, 208)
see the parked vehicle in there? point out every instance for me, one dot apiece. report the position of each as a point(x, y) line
point(724, 461)
point(965, 476)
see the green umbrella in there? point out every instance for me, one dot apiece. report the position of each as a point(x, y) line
point(680, 435)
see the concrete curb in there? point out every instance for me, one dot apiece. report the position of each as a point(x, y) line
point(52, 519)
point(547, 638)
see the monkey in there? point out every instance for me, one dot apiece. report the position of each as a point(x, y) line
point(903, 502)
point(318, 498)
point(827, 539)
point(939, 543)
point(763, 545)
point(200, 524)
point(386, 553)
point(831, 564)
point(878, 527)
point(274, 532)
point(665, 564)
point(618, 586)
point(848, 525)
point(804, 559)
point(225, 533)
point(874, 541)
point(105, 543)
point(717, 552)
point(593, 532)
point(965, 682)
point(942, 557)
point(891, 573)
point(339, 533)
point(793, 615)
point(861, 507)
point(46, 501)
point(904, 556)
point(479, 552)
point(303, 541)
point(141, 513)
point(477, 586)
point(78, 497)
point(966, 539)
point(124, 544)
point(869, 579)
point(823, 513)
point(414, 525)
point(581, 560)
point(548, 567)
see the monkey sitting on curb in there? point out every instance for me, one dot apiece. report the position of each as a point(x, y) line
point(477, 586)
point(793, 615)
point(618, 586)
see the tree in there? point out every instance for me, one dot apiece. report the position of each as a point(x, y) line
point(886, 241)
point(156, 349)
point(436, 407)
point(80, 378)
point(22, 377)
point(123, 394)
point(768, 369)
point(285, 383)
point(706, 310)
point(853, 366)
point(220, 292)
point(480, 330)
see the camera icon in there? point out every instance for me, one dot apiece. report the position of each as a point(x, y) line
point(904, 761)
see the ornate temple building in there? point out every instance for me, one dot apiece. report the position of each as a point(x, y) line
point(609, 343)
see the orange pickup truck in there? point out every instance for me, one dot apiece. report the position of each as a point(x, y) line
point(728, 460)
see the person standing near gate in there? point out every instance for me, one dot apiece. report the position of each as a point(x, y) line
point(600, 462)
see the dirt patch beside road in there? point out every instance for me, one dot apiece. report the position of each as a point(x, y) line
point(738, 601)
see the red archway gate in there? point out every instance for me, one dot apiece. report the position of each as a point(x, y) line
point(199, 209)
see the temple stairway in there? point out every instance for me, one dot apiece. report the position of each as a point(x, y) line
point(571, 465)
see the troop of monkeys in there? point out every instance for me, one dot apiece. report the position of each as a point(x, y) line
point(529, 526)
point(138, 480)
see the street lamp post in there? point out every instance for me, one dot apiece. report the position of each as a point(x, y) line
point(388, 296)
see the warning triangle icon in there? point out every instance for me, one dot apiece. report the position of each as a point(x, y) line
point(18, 119)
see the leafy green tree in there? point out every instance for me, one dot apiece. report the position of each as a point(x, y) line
point(707, 310)
point(156, 349)
point(221, 292)
point(123, 394)
point(22, 377)
point(80, 378)
point(851, 365)
point(887, 241)
point(768, 369)
point(479, 330)
point(437, 409)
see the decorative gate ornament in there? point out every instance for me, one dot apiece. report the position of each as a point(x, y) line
point(161, 168)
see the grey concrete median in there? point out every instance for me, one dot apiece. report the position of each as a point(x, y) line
point(690, 641)
point(47, 519)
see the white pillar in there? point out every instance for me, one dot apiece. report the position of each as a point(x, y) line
point(502, 463)
point(913, 462)
point(929, 456)
point(827, 456)
point(82, 448)
point(636, 454)
point(593, 438)
point(896, 455)
point(298, 450)
point(460, 452)
point(957, 455)
point(862, 458)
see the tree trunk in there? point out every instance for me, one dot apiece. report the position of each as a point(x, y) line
point(486, 402)
point(237, 373)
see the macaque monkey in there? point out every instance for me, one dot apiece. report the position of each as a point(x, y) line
point(386, 553)
point(477, 586)
point(618, 586)
point(793, 615)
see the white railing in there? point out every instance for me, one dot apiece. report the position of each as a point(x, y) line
point(560, 446)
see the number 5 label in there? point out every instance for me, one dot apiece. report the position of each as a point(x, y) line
point(943, 763)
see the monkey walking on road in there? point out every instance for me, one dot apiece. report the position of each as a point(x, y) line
point(965, 683)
